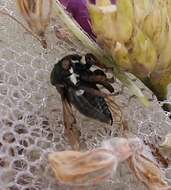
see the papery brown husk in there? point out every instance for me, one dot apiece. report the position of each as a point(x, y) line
point(90, 167)
point(77, 168)
point(148, 172)
point(37, 14)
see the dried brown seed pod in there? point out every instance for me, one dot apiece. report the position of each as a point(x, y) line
point(82, 168)
point(91, 167)
point(147, 169)
point(37, 15)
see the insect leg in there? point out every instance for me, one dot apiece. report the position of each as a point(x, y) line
point(99, 77)
point(94, 92)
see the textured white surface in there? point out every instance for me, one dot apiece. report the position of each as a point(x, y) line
point(31, 113)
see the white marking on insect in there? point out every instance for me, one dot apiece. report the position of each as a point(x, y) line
point(79, 92)
point(74, 61)
point(83, 60)
point(73, 76)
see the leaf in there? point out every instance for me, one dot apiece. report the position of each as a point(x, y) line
point(92, 167)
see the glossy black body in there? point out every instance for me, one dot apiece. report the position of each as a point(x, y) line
point(90, 102)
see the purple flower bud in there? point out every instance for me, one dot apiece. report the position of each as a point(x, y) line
point(79, 11)
point(113, 1)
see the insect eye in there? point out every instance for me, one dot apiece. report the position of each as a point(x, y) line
point(66, 64)
point(90, 58)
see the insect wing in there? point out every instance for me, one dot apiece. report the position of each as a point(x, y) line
point(115, 110)
point(70, 124)
point(90, 105)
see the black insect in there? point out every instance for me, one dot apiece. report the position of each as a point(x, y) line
point(77, 85)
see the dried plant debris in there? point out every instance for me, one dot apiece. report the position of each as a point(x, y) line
point(147, 169)
point(167, 141)
point(37, 15)
point(92, 167)
point(164, 162)
point(76, 168)
point(63, 35)
point(87, 168)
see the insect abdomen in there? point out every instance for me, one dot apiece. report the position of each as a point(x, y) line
point(91, 106)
